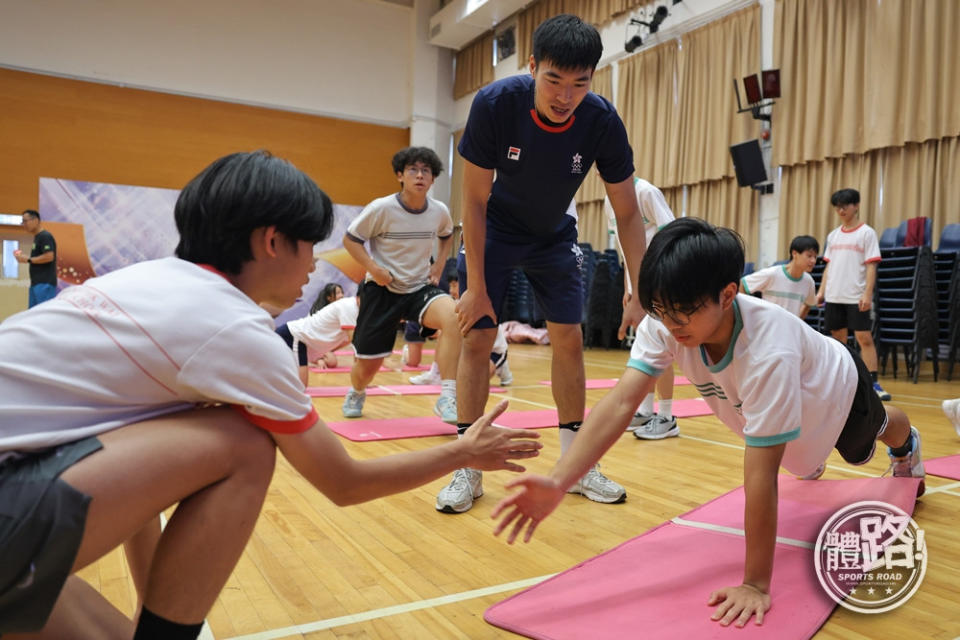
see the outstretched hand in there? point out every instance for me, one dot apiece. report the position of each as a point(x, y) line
point(494, 447)
point(471, 307)
point(537, 498)
point(739, 604)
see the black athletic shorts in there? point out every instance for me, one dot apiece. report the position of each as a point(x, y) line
point(846, 316)
point(381, 313)
point(866, 421)
point(42, 519)
point(284, 333)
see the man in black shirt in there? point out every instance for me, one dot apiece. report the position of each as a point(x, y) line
point(42, 259)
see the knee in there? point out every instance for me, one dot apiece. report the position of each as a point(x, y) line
point(253, 451)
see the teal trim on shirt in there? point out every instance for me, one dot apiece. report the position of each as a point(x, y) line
point(728, 356)
point(640, 365)
point(789, 277)
point(770, 441)
point(743, 283)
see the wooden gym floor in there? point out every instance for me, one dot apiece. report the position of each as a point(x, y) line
point(397, 568)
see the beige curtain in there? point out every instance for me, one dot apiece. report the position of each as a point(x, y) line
point(595, 12)
point(647, 101)
point(474, 66)
point(861, 74)
point(895, 184)
point(726, 204)
point(707, 116)
point(680, 113)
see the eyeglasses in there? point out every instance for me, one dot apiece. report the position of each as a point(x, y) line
point(414, 171)
point(681, 318)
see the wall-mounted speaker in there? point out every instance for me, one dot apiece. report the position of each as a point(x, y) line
point(748, 163)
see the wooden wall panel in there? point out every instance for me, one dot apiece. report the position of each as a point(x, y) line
point(61, 128)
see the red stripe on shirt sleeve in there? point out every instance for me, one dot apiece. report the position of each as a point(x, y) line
point(281, 426)
point(872, 260)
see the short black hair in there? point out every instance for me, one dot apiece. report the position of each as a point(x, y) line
point(219, 209)
point(844, 197)
point(804, 243)
point(33, 213)
point(568, 42)
point(412, 155)
point(688, 262)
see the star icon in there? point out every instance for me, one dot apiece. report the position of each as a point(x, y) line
point(853, 591)
point(870, 590)
point(889, 590)
point(577, 158)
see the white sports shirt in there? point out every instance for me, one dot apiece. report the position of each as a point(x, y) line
point(779, 287)
point(143, 341)
point(401, 240)
point(780, 381)
point(327, 328)
point(653, 207)
point(848, 252)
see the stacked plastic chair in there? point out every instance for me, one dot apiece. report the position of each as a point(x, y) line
point(604, 303)
point(907, 308)
point(586, 274)
point(947, 263)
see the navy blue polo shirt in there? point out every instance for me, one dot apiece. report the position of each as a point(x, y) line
point(540, 167)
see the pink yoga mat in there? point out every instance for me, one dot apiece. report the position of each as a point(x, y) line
point(805, 505)
point(396, 428)
point(385, 390)
point(539, 418)
point(341, 370)
point(392, 429)
point(610, 383)
point(426, 352)
point(656, 586)
point(948, 467)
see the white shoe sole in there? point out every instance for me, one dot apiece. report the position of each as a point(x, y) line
point(448, 508)
point(672, 433)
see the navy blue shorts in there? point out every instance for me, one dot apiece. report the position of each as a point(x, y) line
point(284, 333)
point(415, 332)
point(553, 266)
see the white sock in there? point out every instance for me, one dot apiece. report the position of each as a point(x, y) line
point(646, 407)
point(566, 439)
point(448, 388)
point(665, 409)
point(434, 369)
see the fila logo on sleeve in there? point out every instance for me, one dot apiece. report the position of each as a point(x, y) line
point(513, 153)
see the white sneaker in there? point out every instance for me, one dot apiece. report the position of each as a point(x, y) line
point(353, 403)
point(598, 487)
point(458, 496)
point(504, 373)
point(658, 429)
point(910, 465)
point(951, 408)
point(432, 376)
point(446, 408)
point(640, 419)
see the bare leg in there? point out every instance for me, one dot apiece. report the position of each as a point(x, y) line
point(473, 383)
point(363, 372)
point(868, 350)
point(81, 613)
point(898, 427)
point(566, 371)
point(139, 550)
point(442, 315)
point(304, 372)
point(665, 385)
point(215, 464)
point(839, 334)
point(414, 353)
